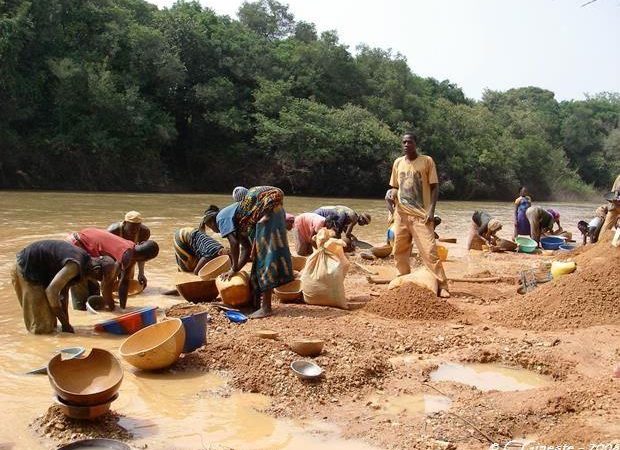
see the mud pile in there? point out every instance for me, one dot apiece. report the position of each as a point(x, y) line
point(55, 425)
point(351, 359)
point(412, 302)
point(185, 309)
point(585, 298)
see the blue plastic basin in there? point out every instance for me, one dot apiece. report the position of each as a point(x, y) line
point(195, 331)
point(568, 247)
point(551, 242)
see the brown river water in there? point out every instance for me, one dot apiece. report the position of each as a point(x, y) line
point(169, 410)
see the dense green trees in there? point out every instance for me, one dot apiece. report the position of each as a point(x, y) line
point(116, 94)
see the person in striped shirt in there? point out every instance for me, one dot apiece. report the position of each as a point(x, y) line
point(193, 248)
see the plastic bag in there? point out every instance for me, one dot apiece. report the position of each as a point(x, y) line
point(420, 276)
point(322, 280)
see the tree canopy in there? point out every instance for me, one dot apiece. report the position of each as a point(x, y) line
point(118, 95)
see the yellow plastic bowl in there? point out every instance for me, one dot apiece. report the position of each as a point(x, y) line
point(215, 267)
point(289, 291)
point(155, 347)
point(299, 262)
point(442, 253)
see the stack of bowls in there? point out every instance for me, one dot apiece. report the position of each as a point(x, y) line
point(85, 387)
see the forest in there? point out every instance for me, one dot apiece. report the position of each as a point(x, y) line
point(118, 95)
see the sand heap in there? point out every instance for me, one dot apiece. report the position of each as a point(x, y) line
point(351, 360)
point(587, 297)
point(414, 303)
point(55, 425)
point(185, 309)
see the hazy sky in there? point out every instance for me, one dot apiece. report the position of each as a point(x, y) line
point(478, 44)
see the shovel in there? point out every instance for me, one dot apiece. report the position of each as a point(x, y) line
point(65, 353)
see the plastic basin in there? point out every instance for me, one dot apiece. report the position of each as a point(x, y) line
point(567, 247)
point(87, 381)
point(131, 322)
point(134, 288)
point(195, 331)
point(215, 267)
point(551, 242)
point(155, 347)
point(526, 244)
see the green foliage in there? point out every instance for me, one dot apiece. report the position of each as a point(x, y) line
point(116, 94)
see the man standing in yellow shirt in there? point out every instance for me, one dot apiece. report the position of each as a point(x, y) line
point(414, 192)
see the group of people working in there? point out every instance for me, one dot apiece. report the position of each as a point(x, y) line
point(89, 262)
point(255, 225)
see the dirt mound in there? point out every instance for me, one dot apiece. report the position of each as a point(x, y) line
point(412, 302)
point(185, 309)
point(585, 298)
point(55, 425)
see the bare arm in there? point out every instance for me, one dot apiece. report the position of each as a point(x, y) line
point(123, 284)
point(54, 291)
point(434, 197)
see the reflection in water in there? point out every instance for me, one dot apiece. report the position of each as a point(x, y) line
point(418, 404)
point(168, 408)
point(488, 377)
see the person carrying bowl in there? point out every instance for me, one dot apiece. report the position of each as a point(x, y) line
point(261, 208)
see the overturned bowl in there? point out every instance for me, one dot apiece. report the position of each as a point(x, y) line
point(84, 412)
point(87, 381)
point(306, 370)
point(307, 347)
point(155, 347)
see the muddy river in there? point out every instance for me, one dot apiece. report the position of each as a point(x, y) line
point(168, 410)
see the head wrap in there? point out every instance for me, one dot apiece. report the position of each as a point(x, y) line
point(239, 193)
point(290, 217)
point(133, 217)
point(494, 225)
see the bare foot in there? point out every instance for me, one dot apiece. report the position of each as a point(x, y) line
point(443, 293)
point(261, 313)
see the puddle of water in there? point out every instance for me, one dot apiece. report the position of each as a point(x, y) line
point(418, 404)
point(488, 377)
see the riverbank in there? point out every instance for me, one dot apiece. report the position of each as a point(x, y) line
point(380, 388)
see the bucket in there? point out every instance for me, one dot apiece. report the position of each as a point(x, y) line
point(195, 331)
point(442, 253)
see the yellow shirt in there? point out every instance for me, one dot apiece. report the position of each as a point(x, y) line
point(413, 180)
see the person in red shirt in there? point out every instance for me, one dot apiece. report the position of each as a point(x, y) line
point(99, 242)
